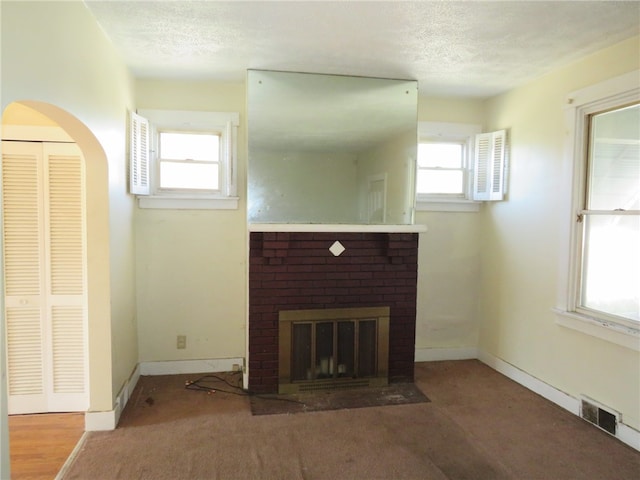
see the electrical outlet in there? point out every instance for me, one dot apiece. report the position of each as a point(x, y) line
point(236, 367)
point(181, 342)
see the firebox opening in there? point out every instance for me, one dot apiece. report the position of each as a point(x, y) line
point(333, 348)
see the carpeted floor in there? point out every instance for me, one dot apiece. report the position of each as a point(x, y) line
point(478, 425)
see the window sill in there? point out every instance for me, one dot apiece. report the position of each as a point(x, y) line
point(611, 332)
point(188, 203)
point(447, 206)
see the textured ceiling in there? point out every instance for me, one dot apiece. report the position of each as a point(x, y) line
point(472, 48)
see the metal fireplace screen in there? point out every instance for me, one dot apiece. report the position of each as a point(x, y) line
point(333, 348)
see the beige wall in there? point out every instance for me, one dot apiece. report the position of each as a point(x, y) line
point(190, 264)
point(521, 245)
point(191, 273)
point(448, 257)
point(57, 60)
point(448, 287)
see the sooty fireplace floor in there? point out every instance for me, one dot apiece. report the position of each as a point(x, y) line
point(393, 394)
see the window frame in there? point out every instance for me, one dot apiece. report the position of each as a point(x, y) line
point(188, 191)
point(442, 132)
point(580, 105)
point(177, 121)
point(464, 166)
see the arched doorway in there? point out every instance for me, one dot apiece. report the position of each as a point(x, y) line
point(44, 119)
point(45, 276)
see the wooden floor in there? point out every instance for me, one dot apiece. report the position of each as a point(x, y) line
point(40, 444)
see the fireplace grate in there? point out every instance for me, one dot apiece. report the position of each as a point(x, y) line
point(333, 349)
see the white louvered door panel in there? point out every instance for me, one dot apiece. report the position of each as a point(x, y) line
point(25, 362)
point(24, 275)
point(68, 359)
point(65, 252)
point(45, 293)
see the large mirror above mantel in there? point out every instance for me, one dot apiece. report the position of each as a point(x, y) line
point(330, 149)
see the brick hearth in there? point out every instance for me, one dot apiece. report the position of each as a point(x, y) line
point(296, 271)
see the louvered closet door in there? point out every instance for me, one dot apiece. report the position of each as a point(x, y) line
point(65, 283)
point(45, 277)
point(23, 202)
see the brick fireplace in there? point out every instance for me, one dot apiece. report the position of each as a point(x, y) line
point(310, 270)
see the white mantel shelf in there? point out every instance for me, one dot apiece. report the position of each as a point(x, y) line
point(337, 227)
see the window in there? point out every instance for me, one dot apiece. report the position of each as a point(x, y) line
point(601, 287)
point(189, 161)
point(609, 283)
point(442, 168)
point(192, 160)
point(458, 166)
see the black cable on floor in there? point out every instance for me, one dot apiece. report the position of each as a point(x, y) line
point(198, 386)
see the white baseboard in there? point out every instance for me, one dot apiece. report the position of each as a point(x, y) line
point(628, 435)
point(176, 367)
point(125, 392)
point(108, 420)
point(625, 434)
point(538, 386)
point(438, 354)
point(99, 421)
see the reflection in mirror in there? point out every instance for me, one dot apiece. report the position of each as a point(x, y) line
point(331, 149)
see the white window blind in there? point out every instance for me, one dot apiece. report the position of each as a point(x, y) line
point(139, 155)
point(489, 166)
